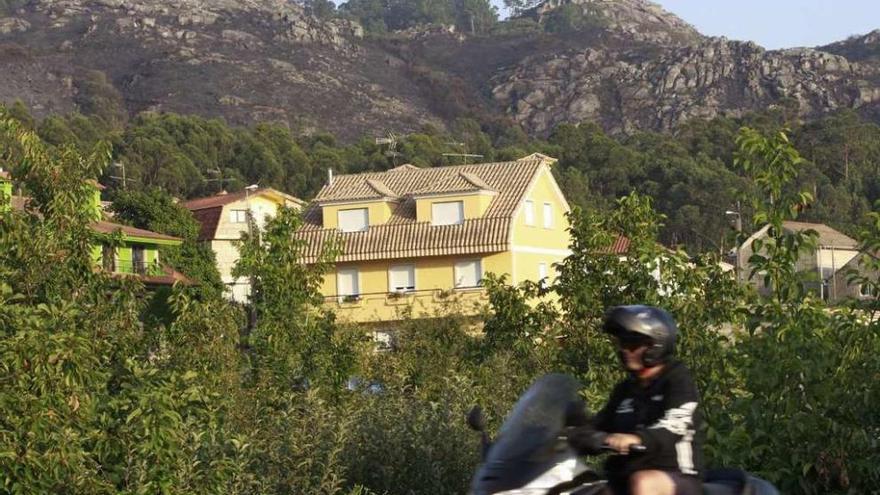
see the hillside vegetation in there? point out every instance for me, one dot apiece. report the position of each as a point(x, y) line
point(688, 173)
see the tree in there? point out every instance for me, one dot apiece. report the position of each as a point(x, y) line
point(157, 211)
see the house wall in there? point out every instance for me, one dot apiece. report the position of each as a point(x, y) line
point(227, 235)
point(226, 256)
point(261, 208)
point(433, 294)
point(844, 290)
point(812, 266)
point(534, 244)
point(124, 259)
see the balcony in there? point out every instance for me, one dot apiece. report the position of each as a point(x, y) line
point(141, 268)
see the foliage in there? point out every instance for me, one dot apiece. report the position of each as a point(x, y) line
point(690, 175)
point(381, 16)
point(572, 17)
point(155, 210)
point(96, 96)
point(99, 397)
point(85, 407)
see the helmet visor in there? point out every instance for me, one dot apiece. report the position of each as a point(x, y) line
point(630, 340)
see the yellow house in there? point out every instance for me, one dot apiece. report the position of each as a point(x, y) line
point(224, 216)
point(417, 239)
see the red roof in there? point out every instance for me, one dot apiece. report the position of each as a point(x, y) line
point(220, 199)
point(619, 246)
point(208, 219)
point(168, 278)
point(224, 198)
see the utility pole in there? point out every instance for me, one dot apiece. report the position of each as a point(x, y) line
point(251, 307)
point(738, 226)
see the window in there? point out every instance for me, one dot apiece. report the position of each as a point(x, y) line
point(447, 213)
point(402, 278)
point(468, 274)
point(866, 290)
point(347, 284)
point(542, 274)
point(138, 260)
point(354, 220)
point(108, 258)
point(530, 212)
point(238, 216)
point(548, 216)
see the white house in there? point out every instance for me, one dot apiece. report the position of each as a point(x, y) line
point(223, 218)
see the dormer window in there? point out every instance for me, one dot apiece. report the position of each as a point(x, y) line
point(353, 220)
point(447, 213)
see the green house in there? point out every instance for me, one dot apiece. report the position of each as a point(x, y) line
point(137, 254)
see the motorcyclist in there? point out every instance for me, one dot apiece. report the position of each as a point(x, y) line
point(656, 406)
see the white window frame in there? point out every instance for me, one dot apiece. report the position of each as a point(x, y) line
point(392, 287)
point(457, 273)
point(238, 216)
point(548, 215)
point(436, 218)
point(543, 276)
point(529, 212)
point(865, 294)
point(365, 213)
point(356, 289)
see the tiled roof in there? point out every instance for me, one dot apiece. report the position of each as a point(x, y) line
point(110, 228)
point(828, 237)
point(540, 156)
point(381, 188)
point(402, 236)
point(620, 245)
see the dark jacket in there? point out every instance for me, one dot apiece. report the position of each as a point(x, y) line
point(664, 415)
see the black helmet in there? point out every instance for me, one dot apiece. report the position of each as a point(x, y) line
point(651, 322)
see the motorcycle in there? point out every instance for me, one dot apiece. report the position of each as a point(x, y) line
point(531, 456)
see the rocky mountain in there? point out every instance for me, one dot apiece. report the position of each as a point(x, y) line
point(631, 65)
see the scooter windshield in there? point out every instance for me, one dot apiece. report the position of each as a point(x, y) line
point(525, 445)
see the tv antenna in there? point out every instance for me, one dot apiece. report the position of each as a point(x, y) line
point(125, 180)
point(390, 140)
point(464, 156)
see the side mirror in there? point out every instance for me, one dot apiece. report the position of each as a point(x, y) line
point(476, 420)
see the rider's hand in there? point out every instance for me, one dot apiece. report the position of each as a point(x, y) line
point(621, 442)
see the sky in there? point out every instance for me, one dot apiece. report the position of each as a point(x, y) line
point(775, 23)
point(779, 23)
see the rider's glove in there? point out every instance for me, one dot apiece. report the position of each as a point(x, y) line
point(586, 439)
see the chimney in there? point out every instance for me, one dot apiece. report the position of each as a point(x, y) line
point(329, 176)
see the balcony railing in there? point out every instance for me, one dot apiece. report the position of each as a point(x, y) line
point(142, 268)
